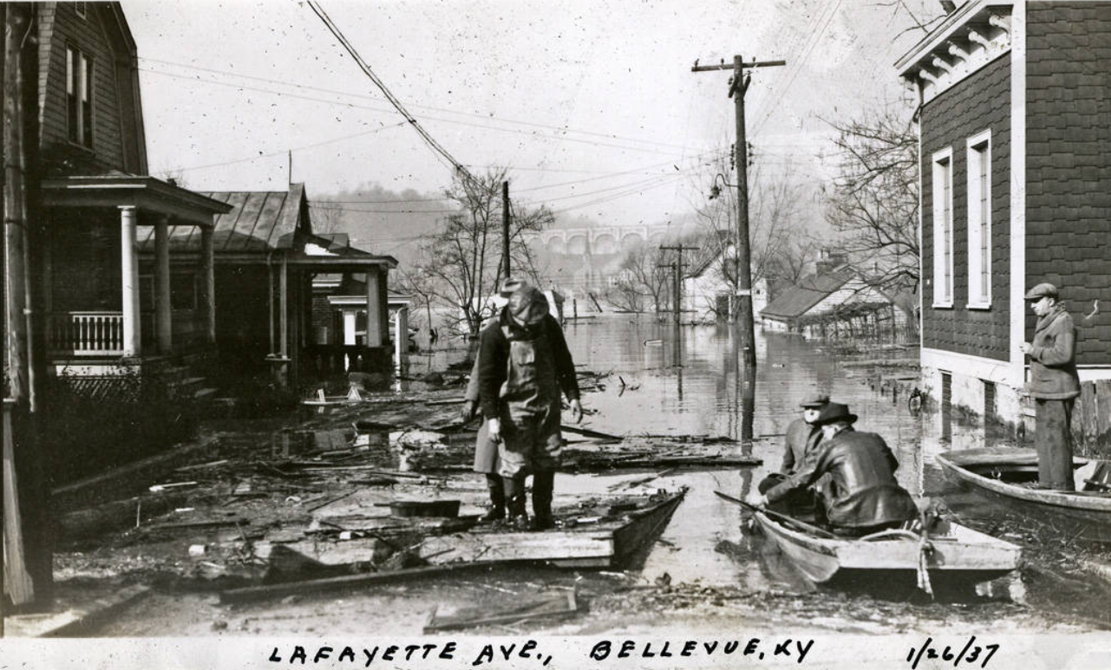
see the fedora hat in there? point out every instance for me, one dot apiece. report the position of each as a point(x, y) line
point(834, 411)
point(814, 401)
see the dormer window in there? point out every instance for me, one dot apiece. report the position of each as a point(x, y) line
point(79, 9)
point(79, 98)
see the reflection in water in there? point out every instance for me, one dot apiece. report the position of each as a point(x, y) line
point(712, 394)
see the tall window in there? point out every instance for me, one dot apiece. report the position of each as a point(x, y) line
point(79, 99)
point(979, 220)
point(943, 227)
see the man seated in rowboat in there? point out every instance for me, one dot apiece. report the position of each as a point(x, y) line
point(861, 496)
point(802, 438)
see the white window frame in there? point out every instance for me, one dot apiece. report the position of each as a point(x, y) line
point(79, 84)
point(979, 148)
point(80, 9)
point(940, 162)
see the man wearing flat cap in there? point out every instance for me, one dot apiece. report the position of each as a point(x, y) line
point(523, 364)
point(1054, 385)
point(862, 495)
point(802, 437)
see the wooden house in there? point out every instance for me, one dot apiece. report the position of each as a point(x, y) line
point(1015, 150)
point(709, 288)
point(837, 302)
point(266, 256)
point(106, 310)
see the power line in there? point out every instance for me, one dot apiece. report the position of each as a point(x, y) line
point(350, 105)
point(428, 139)
point(560, 129)
point(284, 151)
point(801, 61)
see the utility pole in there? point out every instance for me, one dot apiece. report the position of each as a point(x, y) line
point(676, 349)
point(738, 84)
point(677, 297)
point(505, 226)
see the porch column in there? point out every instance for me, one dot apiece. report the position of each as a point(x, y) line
point(208, 285)
point(373, 310)
point(129, 282)
point(283, 307)
point(163, 314)
point(349, 316)
point(401, 335)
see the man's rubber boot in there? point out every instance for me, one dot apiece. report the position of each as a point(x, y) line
point(497, 500)
point(543, 486)
point(515, 502)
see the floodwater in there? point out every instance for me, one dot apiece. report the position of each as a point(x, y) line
point(713, 563)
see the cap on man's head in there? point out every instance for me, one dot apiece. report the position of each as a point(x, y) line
point(1042, 290)
point(834, 412)
point(814, 401)
point(510, 285)
point(528, 305)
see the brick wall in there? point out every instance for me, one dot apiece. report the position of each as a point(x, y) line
point(1068, 163)
point(979, 102)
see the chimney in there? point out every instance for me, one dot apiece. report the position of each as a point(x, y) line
point(829, 261)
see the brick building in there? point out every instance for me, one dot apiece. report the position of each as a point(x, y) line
point(1015, 150)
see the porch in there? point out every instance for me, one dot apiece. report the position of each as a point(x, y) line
point(103, 304)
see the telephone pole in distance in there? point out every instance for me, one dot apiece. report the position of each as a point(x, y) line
point(738, 84)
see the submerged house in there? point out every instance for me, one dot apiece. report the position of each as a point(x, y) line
point(1015, 150)
point(106, 310)
point(709, 288)
point(837, 302)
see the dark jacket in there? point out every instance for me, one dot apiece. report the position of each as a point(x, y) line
point(862, 490)
point(1053, 357)
point(801, 438)
point(493, 355)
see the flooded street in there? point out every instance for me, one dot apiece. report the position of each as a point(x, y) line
point(708, 571)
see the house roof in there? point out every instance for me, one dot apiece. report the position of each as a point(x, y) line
point(721, 245)
point(258, 221)
point(798, 300)
point(147, 194)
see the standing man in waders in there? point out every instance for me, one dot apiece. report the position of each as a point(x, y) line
point(524, 363)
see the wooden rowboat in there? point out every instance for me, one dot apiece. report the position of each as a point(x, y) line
point(954, 556)
point(1004, 471)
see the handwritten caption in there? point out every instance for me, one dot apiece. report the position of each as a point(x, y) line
point(970, 653)
point(602, 652)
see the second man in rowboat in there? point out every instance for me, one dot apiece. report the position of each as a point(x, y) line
point(862, 495)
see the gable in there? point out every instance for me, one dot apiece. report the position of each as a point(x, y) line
point(103, 37)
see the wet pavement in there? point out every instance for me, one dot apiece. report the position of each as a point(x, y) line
point(707, 571)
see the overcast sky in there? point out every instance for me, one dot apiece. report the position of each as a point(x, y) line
point(592, 103)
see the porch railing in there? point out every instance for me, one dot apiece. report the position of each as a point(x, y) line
point(86, 333)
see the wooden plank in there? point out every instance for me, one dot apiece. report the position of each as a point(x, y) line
point(17, 579)
point(459, 618)
point(1088, 416)
point(344, 552)
point(1103, 412)
point(500, 547)
point(254, 593)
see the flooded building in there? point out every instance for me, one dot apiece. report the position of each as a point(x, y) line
point(1015, 180)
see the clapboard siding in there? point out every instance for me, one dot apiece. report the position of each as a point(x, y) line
point(99, 37)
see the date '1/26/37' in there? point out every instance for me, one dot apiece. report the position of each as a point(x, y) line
point(970, 653)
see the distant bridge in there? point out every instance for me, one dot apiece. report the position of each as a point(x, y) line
point(601, 240)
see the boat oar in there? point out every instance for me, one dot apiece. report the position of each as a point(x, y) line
point(776, 515)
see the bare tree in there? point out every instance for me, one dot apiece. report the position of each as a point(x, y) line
point(874, 201)
point(776, 238)
point(642, 282)
point(463, 259)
